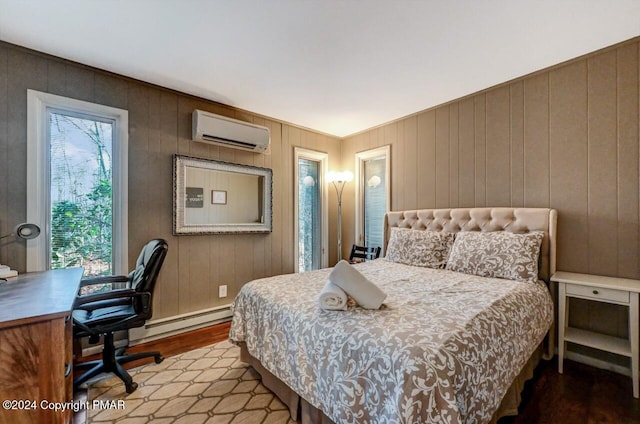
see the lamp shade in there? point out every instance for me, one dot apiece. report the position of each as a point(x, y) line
point(336, 176)
point(374, 181)
point(24, 231)
point(27, 231)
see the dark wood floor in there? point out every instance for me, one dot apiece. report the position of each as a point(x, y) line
point(582, 395)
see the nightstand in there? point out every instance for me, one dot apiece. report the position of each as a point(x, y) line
point(620, 291)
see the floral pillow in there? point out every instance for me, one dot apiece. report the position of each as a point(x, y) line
point(419, 248)
point(497, 254)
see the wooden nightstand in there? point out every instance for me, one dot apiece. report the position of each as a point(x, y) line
point(620, 291)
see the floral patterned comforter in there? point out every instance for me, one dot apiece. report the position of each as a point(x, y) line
point(444, 348)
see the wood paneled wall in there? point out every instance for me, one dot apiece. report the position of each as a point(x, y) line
point(159, 126)
point(566, 137)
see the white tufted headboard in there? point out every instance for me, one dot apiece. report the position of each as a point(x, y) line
point(516, 220)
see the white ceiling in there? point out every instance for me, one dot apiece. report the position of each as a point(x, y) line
point(334, 66)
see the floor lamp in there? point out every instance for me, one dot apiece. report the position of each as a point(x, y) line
point(339, 179)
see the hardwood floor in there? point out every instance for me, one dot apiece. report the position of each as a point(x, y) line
point(582, 395)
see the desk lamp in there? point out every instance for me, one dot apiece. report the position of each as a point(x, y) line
point(24, 231)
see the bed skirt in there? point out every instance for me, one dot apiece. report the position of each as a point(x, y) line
point(305, 413)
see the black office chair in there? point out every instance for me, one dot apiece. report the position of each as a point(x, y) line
point(364, 253)
point(118, 309)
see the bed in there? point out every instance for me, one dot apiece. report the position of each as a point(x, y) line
point(446, 346)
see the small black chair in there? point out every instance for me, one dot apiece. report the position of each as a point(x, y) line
point(118, 309)
point(363, 253)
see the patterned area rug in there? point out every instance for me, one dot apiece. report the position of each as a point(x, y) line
point(209, 385)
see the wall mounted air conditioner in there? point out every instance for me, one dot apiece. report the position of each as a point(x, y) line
point(215, 129)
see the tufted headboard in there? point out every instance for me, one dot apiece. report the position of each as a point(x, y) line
point(516, 220)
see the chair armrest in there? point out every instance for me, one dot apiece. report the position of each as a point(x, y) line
point(92, 301)
point(104, 279)
point(110, 295)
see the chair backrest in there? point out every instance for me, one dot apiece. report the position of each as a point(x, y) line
point(143, 277)
point(364, 252)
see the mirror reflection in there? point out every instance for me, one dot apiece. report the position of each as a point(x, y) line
point(221, 197)
point(230, 197)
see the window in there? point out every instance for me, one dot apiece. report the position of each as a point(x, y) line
point(311, 218)
point(77, 162)
point(372, 195)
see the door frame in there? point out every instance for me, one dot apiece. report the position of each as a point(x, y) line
point(323, 159)
point(361, 157)
point(38, 175)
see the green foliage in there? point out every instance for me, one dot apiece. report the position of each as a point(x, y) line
point(81, 231)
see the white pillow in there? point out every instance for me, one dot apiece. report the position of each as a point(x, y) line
point(498, 254)
point(419, 248)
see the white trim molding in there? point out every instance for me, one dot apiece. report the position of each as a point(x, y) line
point(165, 327)
point(323, 159)
point(38, 178)
point(361, 158)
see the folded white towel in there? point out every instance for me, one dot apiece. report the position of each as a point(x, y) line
point(356, 285)
point(332, 298)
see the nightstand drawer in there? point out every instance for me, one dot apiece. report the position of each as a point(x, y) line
point(598, 293)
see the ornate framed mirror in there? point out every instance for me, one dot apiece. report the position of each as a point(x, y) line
point(214, 197)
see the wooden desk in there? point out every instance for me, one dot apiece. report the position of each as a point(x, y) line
point(36, 344)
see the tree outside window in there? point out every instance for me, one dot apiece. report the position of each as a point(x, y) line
point(81, 193)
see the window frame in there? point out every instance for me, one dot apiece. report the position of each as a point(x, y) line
point(361, 158)
point(39, 178)
point(323, 159)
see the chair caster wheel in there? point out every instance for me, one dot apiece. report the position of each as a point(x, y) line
point(159, 359)
point(130, 388)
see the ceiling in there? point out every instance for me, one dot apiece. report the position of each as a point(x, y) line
point(338, 67)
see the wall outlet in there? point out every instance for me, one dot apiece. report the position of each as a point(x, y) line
point(222, 291)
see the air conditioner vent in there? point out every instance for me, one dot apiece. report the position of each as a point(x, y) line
point(228, 132)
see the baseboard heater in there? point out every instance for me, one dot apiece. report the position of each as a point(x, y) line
point(164, 327)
